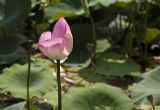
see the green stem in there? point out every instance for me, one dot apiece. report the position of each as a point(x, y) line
point(153, 107)
point(88, 14)
point(59, 86)
point(93, 29)
point(93, 59)
point(28, 77)
point(146, 23)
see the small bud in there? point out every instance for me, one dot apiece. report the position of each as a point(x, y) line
point(150, 99)
point(90, 47)
point(27, 45)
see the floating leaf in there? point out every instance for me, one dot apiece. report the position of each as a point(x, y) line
point(148, 86)
point(97, 97)
point(14, 79)
point(74, 67)
point(115, 64)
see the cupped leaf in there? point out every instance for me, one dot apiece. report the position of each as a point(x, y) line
point(148, 86)
point(14, 13)
point(97, 97)
point(14, 79)
point(115, 64)
point(10, 49)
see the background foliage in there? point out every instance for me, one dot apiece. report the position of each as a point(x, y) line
point(125, 34)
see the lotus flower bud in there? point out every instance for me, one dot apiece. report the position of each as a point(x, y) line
point(58, 44)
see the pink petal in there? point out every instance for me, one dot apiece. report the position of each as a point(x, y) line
point(68, 43)
point(56, 52)
point(57, 45)
point(60, 28)
point(44, 36)
point(51, 42)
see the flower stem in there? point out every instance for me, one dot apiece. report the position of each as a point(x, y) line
point(28, 46)
point(59, 86)
point(28, 77)
point(153, 107)
point(93, 55)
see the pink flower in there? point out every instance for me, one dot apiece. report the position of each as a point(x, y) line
point(57, 45)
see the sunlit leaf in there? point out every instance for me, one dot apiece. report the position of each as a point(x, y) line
point(14, 79)
point(115, 64)
point(97, 97)
point(148, 86)
point(74, 67)
point(102, 45)
point(151, 35)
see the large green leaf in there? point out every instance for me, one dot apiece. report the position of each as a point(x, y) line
point(75, 67)
point(151, 34)
point(102, 45)
point(10, 49)
point(14, 13)
point(52, 98)
point(97, 97)
point(55, 11)
point(148, 86)
point(115, 64)
point(14, 79)
point(43, 62)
